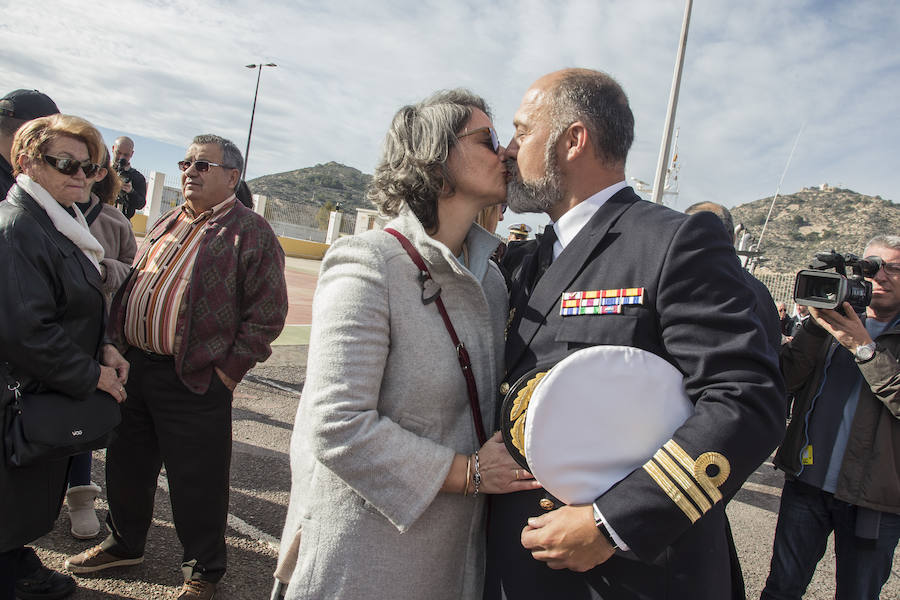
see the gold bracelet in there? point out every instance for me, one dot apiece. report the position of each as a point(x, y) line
point(468, 473)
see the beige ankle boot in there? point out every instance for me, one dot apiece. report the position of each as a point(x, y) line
point(80, 502)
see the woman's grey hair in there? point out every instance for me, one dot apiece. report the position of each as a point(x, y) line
point(231, 156)
point(413, 165)
point(885, 241)
point(599, 102)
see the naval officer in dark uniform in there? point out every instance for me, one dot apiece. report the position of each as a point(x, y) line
point(674, 289)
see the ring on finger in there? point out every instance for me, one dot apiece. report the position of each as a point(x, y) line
point(517, 474)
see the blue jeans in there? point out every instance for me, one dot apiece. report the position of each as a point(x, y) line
point(806, 518)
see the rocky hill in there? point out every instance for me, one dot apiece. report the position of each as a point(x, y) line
point(314, 186)
point(815, 220)
point(812, 220)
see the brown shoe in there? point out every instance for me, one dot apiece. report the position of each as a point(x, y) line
point(197, 589)
point(97, 559)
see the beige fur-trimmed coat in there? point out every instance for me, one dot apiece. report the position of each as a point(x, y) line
point(384, 410)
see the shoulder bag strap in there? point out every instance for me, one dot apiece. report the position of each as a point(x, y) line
point(92, 214)
point(461, 352)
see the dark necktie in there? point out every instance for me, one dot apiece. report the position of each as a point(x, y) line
point(545, 253)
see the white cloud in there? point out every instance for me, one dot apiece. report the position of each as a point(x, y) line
point(754, 73)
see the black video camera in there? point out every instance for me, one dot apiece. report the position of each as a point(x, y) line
point(121, 170)
point(823, 289)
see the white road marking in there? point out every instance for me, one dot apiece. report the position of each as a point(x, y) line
point(236, 523)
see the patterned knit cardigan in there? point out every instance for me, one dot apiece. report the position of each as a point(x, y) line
point(236, 303)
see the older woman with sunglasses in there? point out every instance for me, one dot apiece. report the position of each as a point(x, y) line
point(113, 230)
point(51, 324)
point(390, 454)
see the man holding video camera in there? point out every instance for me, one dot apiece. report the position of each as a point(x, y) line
point(841, 453)
point(133, 195)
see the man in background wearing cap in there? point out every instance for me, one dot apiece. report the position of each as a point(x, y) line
point(677, 292)
point(518, 232)
point(15, 109)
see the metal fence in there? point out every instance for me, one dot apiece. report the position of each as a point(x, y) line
point(298, 221)
point(288, 219)
point(303, 221)
point(781, 286)
point(348, 223)
point(171, 196)
point(298, 232)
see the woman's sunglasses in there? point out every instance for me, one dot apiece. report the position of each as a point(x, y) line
point(70, 166)
point(495, 141)
point(202, 166)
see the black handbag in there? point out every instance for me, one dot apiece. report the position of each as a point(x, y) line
point(49, 425)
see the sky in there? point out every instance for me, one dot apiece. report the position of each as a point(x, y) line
point(757, 77)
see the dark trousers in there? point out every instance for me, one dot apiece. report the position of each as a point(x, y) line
point(696, 567)
point(9, 573)
point(15, 564)
point(165, 423)
point(806, 518)
point(80, 470)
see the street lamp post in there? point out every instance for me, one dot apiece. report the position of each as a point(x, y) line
point(660, 181)
point(253, 113)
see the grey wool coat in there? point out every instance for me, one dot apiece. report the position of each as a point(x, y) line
point(384, 410)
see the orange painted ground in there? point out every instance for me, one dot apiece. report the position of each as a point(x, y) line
point(301, 286)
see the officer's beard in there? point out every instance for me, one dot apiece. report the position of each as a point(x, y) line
point(535, 196)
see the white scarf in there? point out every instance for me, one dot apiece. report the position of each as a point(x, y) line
point(75, 229)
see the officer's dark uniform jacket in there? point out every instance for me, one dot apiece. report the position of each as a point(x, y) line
point(870, 472)
point(698, 314)
point(51, 326)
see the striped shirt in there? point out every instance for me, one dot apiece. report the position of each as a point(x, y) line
point(162, 280)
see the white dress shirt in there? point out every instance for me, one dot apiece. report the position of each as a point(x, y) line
point(567, 227)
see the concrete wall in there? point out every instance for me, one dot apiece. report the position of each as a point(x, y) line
point(303, 248)
point(139, 223)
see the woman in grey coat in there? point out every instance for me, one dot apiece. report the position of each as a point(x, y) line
point(387, 497)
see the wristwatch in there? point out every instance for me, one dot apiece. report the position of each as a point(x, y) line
point(603, 530)
point(865, 353)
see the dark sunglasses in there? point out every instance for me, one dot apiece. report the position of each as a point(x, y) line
point(202, 166)
point(495, 141)
point(70, 166)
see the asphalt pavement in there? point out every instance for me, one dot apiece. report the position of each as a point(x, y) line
point(264, 407)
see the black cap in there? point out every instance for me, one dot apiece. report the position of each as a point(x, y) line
point(27, 105)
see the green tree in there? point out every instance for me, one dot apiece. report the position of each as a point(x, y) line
point(324, 214)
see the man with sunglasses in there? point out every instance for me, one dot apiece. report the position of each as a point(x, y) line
point(841, 453)
point(16, 108)
point(205, 300)
point(133, 195)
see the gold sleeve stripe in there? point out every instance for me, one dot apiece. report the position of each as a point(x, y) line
point(669, 488)
point(682, 479)
point(709, 486)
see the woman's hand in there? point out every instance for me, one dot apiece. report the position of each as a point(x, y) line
point(111, 357)
point(500, 474)
point(113, 373)
point(109, 383)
